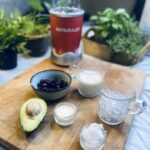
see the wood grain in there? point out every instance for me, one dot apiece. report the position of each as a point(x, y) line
point(96, 50)
point(51, 136)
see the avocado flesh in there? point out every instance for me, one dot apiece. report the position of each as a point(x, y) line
point(29, 123)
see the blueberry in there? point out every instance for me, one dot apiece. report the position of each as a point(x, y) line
point(47, 85)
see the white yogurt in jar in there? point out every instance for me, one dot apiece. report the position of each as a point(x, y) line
point(65, 113)
point(89, 83)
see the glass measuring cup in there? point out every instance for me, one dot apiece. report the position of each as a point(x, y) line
point(117, 99)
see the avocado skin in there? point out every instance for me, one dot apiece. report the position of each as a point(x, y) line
point(36, 131)
point(31, 125)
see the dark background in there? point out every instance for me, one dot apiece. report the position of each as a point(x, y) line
point(134, 7)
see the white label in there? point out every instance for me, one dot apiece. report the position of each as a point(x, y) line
point(77, 29)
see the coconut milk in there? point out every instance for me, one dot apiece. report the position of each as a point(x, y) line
point(89, 83)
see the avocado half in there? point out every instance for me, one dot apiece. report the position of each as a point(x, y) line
point(32, 113)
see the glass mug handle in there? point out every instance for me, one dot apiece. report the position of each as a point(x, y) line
point(137, 107)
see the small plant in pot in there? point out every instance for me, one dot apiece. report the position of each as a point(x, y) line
point(129, 45)
point(10, 41)
point(120, 33)
point(104, 26)
point(36, 35)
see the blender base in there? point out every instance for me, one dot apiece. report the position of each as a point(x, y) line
point(68, 58)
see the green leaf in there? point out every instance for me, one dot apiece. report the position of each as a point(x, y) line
point(108, 10)
point(103, 19)
point(104, 34)
point(93, 18)
point(100, 28)
point(115, 26)
point(121, 11)
point(36, 4)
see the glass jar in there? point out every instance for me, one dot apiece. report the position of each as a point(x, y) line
point(92, 136)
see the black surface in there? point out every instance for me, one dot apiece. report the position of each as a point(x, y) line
point(138, 9)
point(8, 59)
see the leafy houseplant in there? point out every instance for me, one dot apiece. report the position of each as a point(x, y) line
point(10, 41)
point(108, 23)
point(36, 34)
point(36, 28)
point(121, 34)
point(127, 45)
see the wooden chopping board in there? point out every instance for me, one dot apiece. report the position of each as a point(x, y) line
point(51, 136)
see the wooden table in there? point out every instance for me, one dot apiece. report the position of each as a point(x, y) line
point(51, 136)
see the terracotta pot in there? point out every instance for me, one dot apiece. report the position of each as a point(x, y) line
point(8, 59)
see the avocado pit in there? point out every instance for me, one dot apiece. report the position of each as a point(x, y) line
point(33, 109)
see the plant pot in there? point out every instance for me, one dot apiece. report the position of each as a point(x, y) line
point(104, 52)
point(37, 45)
point(127, 60)
point(123, 59)
point(8, 59)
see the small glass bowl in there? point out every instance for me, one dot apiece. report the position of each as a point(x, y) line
point(92, 136)
point(64, 113)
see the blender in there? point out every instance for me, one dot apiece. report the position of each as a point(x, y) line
point(66, 18)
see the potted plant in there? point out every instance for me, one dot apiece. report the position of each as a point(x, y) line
point(108, 25)
point(127, 47)
point(10, 41)
point(36, 28)
point(36, 35)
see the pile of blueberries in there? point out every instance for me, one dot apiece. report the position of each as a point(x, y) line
point(47, 85)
